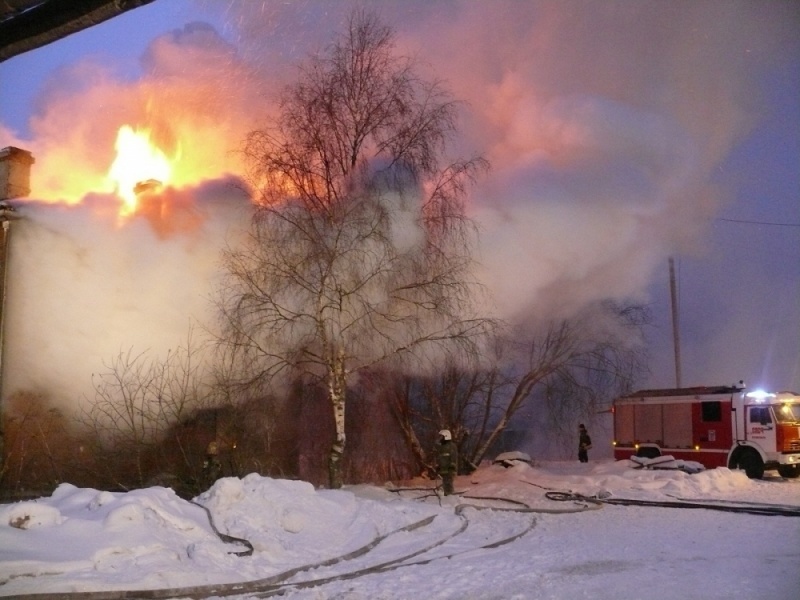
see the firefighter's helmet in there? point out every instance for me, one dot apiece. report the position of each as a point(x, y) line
point(445, 435)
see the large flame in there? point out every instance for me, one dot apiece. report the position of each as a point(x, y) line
point(138, 160)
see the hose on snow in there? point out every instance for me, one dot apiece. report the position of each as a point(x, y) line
point(745, 508)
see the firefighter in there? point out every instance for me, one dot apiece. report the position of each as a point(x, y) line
point(447, 460)
point(212, 468)
point(584, 444)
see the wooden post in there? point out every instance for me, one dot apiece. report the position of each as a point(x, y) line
point(676, 337)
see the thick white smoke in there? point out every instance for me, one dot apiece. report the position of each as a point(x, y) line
point(604, 123)
point(85, 288)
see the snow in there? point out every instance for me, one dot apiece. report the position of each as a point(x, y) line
point(84, 540)
point(508, 459)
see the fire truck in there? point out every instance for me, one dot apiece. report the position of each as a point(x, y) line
point(723, 426)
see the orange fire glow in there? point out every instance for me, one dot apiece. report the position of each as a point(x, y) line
point(137, 160)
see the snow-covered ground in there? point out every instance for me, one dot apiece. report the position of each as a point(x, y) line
point(82, 540)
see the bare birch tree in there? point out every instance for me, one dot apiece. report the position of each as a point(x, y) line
point(359, 246)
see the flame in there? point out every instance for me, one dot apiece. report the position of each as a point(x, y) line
point(138, 160)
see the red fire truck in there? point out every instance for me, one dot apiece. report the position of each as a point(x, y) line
point(722, 426)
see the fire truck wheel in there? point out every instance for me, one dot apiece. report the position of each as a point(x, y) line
point(789, 471)
point(751, 463)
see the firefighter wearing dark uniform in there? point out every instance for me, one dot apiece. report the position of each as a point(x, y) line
point(584, 443)
point(447, 460)
point(212, 468)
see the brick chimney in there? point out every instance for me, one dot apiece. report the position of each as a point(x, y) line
point(15, 181)
point(149, 185)
point(15, 172)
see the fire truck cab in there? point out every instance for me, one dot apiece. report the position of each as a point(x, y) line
point(722, 426)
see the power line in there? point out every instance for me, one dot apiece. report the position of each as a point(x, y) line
point(759, 222)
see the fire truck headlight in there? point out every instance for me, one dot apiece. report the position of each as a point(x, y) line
point(697, 446)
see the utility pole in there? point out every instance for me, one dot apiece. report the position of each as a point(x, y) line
point(676, 336)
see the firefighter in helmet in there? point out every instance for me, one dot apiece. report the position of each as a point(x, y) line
point(212, 468)
point(447, 460)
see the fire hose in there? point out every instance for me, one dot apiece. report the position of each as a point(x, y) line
point(743, 508)
point(227, 539)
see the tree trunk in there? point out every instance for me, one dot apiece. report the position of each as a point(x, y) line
point(520, 394)
point(337, 389)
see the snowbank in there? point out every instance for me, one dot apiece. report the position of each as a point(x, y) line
point(86, 540)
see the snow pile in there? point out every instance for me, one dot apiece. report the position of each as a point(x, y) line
point(291, 523)
point(85, 539)
point(509, 459)
point(619, 479)
point(666, 462)
point(81, 540)
point(90, 533)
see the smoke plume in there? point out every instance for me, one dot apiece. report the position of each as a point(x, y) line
point(604, 124)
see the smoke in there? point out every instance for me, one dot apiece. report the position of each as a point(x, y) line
point(194, 95)
point(85, 284)
point(604, 124)
point(85, 288)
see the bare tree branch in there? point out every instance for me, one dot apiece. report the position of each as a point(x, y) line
point(574, 367)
